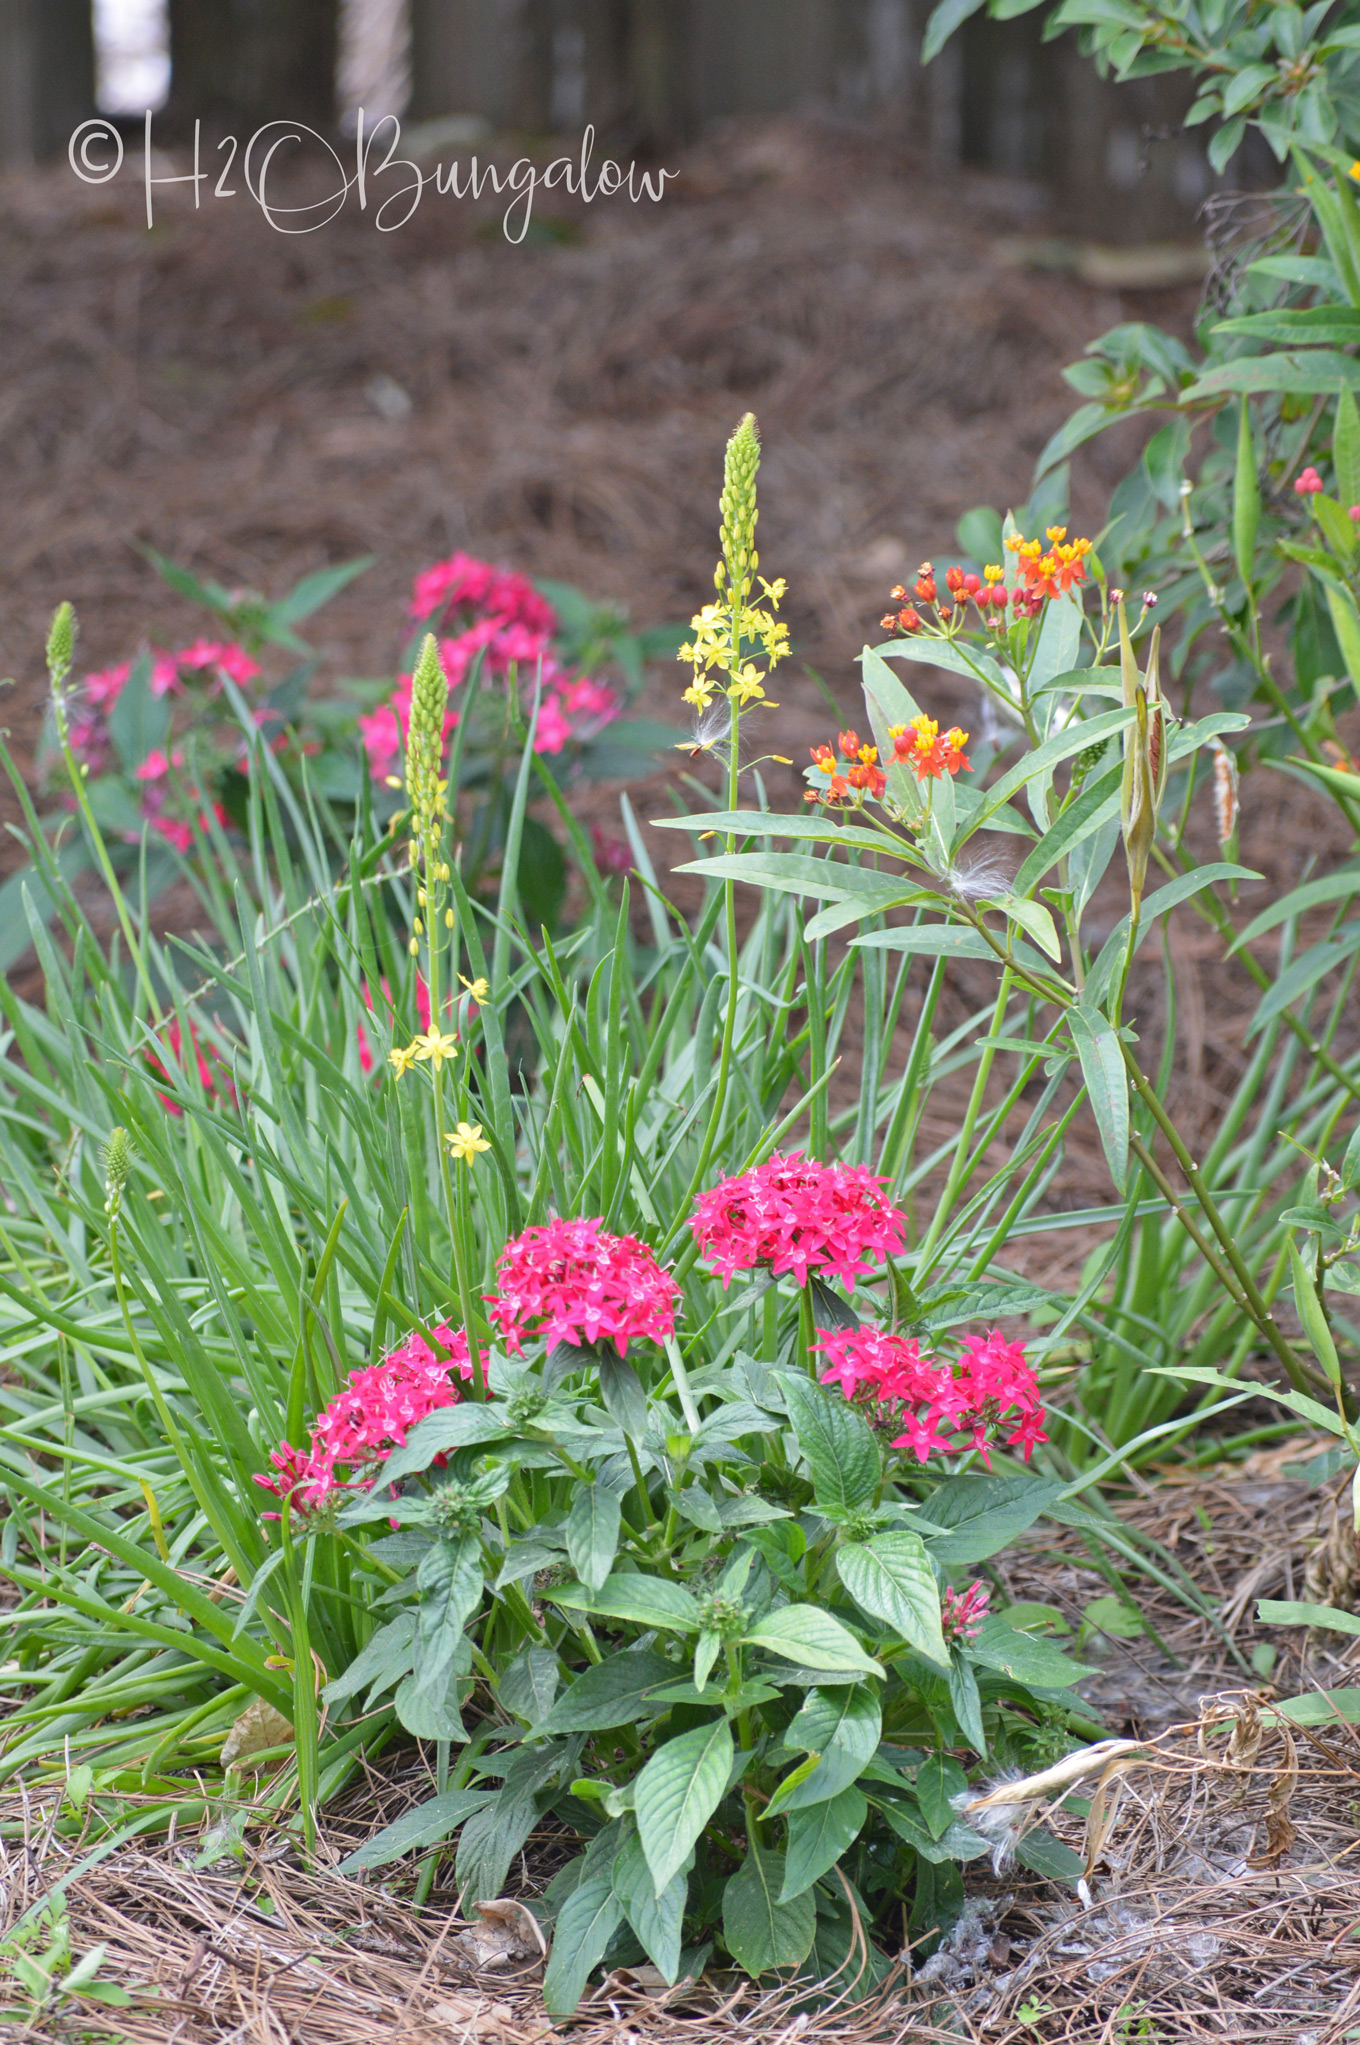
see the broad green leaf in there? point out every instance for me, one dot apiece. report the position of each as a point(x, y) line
point(820, 828)
point(795, 873)
point(890, 1577)
point(1332, 326)
point(529, 1683)
point(585, 1924)
point(1181, 889)
point(803, 1634)
point(1308, 371)
point(944, 19)
point(466, 1425)
point(840, 1729)
point(1318, 1707)
point(139, 722)
point(1075, 739)
point(1080, 426)
point(838, 1444)
point(939, 1779)
point(644, 1600)
point(1024, 1655)
point(609, 1694)
point(759, 1931)
point(624, 1399)
point(986, 1301)
point(946, 941)
point(1039, 1851)
point(818, 1836)
point(1033, 917)
point(959, 1843)
point(1309, 1309)
point(593, 1534)
point(426, 1825)
point(450, 1584)
point(496, 1832)
point(386, 1658)
point(656, 1920)
point(984, 1514)
point(1107, 1086)
point(1294, 1612)
point(676, 1794)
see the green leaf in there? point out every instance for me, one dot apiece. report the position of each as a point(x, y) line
point(803, 1634)
point(426, 1825)
point(759, 1931)
point(1298, 1402)
point(1246, 498)
point(644, 1600)
point(1024, 1656)
point(611, 1693)
point(1309, 1308)
point(1318, 1707)
point(1309, 371)
point(139, 722)
point(939, 1779)
point(799, 873)
point(317, 589)
point(1332, 887)
point(529, 1683)
point(1082, 425)
point(656, 1920)
point(890, 1577)
point(1107, 1086)
point(1294, 1612)
point(984, 1514)
point(453, 1427)
point(585, 1924)
point(1033, 917)
point(1039, 1851)
point(1304, 972)
point(1346, 450)
point(676, 1794)
point(385, 1659)
point(837, 1442)
point(592, 1532)
point(944, 19)
point(450, 1584)
point(621, 1390)
point(818, 1836)
point(841, 1730)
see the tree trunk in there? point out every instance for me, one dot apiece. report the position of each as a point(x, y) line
point(252, 61)
point(46, 75)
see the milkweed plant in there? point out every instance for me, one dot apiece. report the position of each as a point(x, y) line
point(569, 1351)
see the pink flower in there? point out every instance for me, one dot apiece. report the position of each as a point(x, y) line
point(462, 583)
point(1308, 484)
point(553, 729)
point(962, 1612)
point(233, 660)
point(991, 1388)
point(611, 855)
point(1354, 513)
point(165, 676)
point(371, 1416)
point(103, 689)
point(156, 765)
point(580, 1285)
point(794, 1214)
point(212, 1073)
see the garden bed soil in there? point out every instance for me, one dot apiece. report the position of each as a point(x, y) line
point(1222, 1904)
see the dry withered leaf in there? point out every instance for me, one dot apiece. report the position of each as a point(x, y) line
point(507, 1934)
point(258, 1728)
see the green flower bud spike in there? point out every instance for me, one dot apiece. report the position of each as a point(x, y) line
point(61, 644)
point(737, 533)
point(425, 739)
point(117, 1159)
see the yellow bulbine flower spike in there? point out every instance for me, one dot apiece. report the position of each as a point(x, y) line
point(425, 735)
point(738, 500)
point(402, 1057)
point(465, 1141)
point(1145, 755)
point(433, 1048)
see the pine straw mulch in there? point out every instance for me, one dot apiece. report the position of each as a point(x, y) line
point(1223, 1900)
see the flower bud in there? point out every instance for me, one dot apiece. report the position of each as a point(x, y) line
point(425, 736)
point(117, 1158)
point(61, 643)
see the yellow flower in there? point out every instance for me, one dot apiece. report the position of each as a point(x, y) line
point(478, 989)
point(465, 1141)
point(401, 1057)
point(435, 1048)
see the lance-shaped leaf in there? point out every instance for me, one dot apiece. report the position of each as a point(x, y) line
point(676, 1794)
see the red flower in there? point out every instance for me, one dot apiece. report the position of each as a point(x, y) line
point(920, 745)
point(577, 1284)
point(794, 1214)
point(992, 1387)
point(962, 1612)
point(370, 1417)
point(1308, 484)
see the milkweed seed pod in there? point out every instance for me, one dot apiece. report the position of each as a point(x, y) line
point(1145, 754)
point(1225, 798)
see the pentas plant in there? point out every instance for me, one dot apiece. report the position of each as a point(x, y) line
point(570, 1281)
point(797, 1215)
point(989, 1390)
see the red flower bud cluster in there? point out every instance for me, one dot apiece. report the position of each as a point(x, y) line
point(1308, 484)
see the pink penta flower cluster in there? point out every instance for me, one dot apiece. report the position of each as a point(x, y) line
point(943, 1408)
point(476, 608)
point(962, 1612)
point(361, 1426)
point(170, 672)
point(569, 1281)
point(794, 1214)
